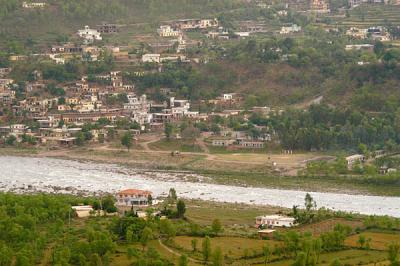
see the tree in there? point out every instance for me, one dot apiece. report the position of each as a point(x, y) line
point(317, 248)
point(79, 139)
point(309, 202)
point(133, 253)
point(95, 260)
point(183, 260)
point(190, 133)
point(126, 140)
point(393, 254)
point(11, 140)
point(181, 208)
point(5, 255)
point(194, 244)
point(301, 259)
point(363, 149)
point(150, 199)
point(172, 194)
point(147, 234)
point(206, 249)
point(218, 259)
point(361, 241)
point(168, 130)
point(336, 262)
point(266, 254)
point(216, 226)
point(167, 229)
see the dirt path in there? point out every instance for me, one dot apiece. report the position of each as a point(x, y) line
point(152, 139)
point(200, 142)
point(176, 253)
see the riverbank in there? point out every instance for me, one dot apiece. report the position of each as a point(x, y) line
point(217, 172)
point(50, 175)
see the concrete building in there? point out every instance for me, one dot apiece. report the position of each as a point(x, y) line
point(133, 198)
point(271, 221)
point(89, 35)
point(168, 31)
point(151, 58)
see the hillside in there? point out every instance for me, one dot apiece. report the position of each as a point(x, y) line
point(63, 17)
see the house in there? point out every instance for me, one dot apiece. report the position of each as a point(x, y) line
point(4, 71)
point(133, 197)
point(290, 29)
point(265, 233)
point(151, 58)
point(33, 5)
point(191, 24)
point(357, 33)
point(68, 48)
point(356, 158)
point(89, 35)
point(222, 142)
point(319, 6)
point(251, 144)
point(378, 34)
point(168, 31)
point(138, 109)
point(271, 221)
point(368, 47)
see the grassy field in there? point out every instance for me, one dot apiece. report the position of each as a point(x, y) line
point(379, 241)
point(175, 145)
point(229, 214)
point(346, 257)
point(233, 247)
point(328, 225)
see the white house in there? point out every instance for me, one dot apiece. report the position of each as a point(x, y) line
point(151, 58)
point(352, 159)
point(89, 35)
point(275, 221)
point(167, 31)
point(222, 142)
point(33, 5)
point(290, 29)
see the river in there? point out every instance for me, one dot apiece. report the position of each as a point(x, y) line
point(27, 174)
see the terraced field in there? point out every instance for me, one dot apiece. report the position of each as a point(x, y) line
point(371, 16)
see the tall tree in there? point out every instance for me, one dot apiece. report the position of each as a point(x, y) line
point(126, 140)
point(206, 249)
point(181, 208)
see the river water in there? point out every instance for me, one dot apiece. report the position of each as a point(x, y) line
point(26, 174)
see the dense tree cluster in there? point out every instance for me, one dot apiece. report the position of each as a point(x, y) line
point(322, 128)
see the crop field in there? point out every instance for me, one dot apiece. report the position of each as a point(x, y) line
point(328, 225)
point(379, 241)
point(203, 213)
point(346, 257)
point(233, 247)
point(373, 15)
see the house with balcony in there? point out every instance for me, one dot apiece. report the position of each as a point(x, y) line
point(133, 198)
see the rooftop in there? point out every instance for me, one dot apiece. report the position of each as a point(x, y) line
point(134, 192)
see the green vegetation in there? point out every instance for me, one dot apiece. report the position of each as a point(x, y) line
point(43, 229)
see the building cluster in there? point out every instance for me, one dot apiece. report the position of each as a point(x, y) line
point(356, 3)
point(319, 6)
point(378, 33)
point(7, 95)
